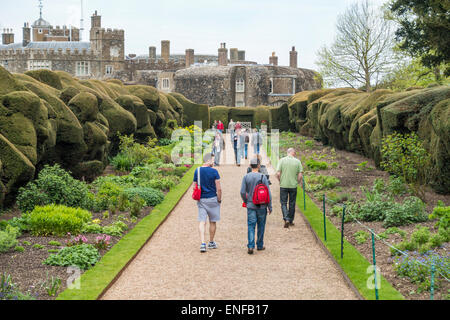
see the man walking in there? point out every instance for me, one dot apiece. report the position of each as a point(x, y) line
point(231, 127)
point(256, 141)
point(238, 144)
point(256, 214)
point(289, 173)
point(210, 200)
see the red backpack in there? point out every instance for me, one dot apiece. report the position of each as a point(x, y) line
point(261, 194)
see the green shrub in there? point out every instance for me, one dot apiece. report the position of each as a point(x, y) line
point(8, 238)
point(309, 143)
point(396, 186)
point(122, 162)
point(26, 243)
point(57, 220)
point(152, 197)
point(421, 240)
point(379, 185)
point(392, 230)
point(361, 236)
point(19, 249)
point(115, 229)
point(405, 156)
point(136, 206)
point(38, 246)
point(412, 210)
point(83, 256)
point(54, 243)
point(92, 228)
point(54, 186)
point(443, 214)
point(316, 165)
point(315, 183)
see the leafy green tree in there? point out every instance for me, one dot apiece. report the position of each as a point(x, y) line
point(362, 51)
point(424, 28)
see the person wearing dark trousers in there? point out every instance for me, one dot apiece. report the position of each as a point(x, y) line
point(290, 175)
point(256, 214)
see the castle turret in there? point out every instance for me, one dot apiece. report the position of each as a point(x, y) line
point(152, 54)
point(26, 34)
point(165, 50)
point(7, 36)
point(223, 55)
point(189, 57)
point(273, 59)
point(293, 58)
point(96, 21)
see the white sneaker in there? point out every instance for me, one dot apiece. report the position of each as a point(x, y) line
point(212, 245)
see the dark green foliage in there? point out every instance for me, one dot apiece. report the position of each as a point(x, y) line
point(136, 206)
point(442, 213)
point(83, 256)
point(423, 31)
point(315, 165)
point(151, 196)
point(54, 185)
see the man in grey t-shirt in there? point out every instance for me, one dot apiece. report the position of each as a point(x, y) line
point(256, 214)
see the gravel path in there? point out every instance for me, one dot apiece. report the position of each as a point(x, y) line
point(170, 266)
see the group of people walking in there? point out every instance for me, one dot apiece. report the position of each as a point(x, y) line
point(240, 137)
point(255, 194)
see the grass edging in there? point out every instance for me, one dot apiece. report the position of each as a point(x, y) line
point(96, 280)
point(354, 264)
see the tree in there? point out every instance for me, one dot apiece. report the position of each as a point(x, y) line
point(424, 28)
point(362, 50)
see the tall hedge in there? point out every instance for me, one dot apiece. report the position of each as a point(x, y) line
point(192, 111)
point(219, 113)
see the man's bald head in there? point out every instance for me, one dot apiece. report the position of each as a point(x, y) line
point(291, 152)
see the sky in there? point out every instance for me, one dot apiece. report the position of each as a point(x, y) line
point(259, 27)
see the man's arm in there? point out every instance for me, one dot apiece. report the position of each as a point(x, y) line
point(244, 191)
point(219, 191)
point(278, 175)
point(266, 182)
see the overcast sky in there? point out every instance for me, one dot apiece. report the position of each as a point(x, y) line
point(256, 26)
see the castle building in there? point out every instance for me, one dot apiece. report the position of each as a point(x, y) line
point(60, 48)
point(225, 78)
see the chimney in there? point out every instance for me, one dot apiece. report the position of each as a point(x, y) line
point(234, 55)
point(223, 55)
point(241, 55)
point(96, 21)
point(273, 59)
point(26, 34)
point(165, 50)
point(293, 58)
point(7, 36)
point(152, 54)
point(189, 57)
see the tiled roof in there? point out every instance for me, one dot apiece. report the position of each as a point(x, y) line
point(55, 45)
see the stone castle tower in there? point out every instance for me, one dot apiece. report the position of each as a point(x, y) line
point(108, 45)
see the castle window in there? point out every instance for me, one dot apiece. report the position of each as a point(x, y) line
point(165, 84)
point(109, 70)
point(240, 85)
point(271, 85)
point(39, 64)
point(82, 68)
point(40, 30)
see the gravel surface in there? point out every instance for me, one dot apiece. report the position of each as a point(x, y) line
point(170, 266)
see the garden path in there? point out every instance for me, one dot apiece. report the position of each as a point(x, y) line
point(170, 266)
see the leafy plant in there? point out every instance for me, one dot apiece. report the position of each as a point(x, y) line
point(443, 214)
point(38, 246)
point(19, 249)
point(405, 156)
point(396, 186)
point(412, 210)
point(363, 166)
point(57, 220)
point(102, 242)
point(115, 229)
point(316, 165)
point(54, 243)
point(361, 236)
point(54, 186)
point(91, 228)
point(136, 206)
point(78, 240)
point(8, 238)
point(83, 256)
point(421, 240)
point(392, 230)
point(309, 143)
point(152, 197)
point(26, 243)
point(51, 285)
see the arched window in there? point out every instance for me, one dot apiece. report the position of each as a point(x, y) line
point(240, 85)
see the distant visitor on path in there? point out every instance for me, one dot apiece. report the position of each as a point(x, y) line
point(256, 195)
point(218, 147)
point(231, 127)
point(290, 175)
point(208, 180)
point(215, 125)
point(257, 141)
point(238, 144)
point(220, 126)
point(246, 142)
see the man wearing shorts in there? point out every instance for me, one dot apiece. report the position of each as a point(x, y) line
point(210, 200)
